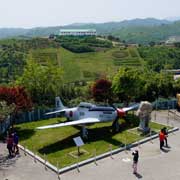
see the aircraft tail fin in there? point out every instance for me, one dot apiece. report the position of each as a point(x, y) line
point(58, 104)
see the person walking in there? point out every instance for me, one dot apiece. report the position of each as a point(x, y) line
point(161, 139)
point(135, 161)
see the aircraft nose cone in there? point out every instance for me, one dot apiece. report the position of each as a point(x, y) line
point(120, 113)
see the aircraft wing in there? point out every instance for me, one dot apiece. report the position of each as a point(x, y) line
point(71, 123)
point(135, 106)
point(55, 112)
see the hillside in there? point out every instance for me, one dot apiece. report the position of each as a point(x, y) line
point(134, 31)
point(144, 35)
point(84, 66)
point(88, 66)
point(14, 55)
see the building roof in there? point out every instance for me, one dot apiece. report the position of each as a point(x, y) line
point(77, 30)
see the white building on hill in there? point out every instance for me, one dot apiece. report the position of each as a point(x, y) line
point(77, 32)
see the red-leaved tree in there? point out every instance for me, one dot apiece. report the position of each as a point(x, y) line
point(101, 90)
point(17, 96)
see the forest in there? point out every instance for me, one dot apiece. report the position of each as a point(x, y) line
point(59, 67)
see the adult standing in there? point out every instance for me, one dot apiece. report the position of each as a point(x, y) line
point(135, 161)
point(10, 144)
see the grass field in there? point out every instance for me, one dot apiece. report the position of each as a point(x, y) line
point(88, 66)
point(57, 144)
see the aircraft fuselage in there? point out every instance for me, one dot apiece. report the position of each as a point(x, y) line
point(102, 113)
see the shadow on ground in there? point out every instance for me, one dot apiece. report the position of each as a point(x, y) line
point(24, 133)
point(6, 162)
point(139, 176)
point(95, 134)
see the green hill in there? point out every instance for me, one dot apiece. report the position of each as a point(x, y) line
point(144, 34)
point(88, 66)
point(134, 31)
point(103, 61)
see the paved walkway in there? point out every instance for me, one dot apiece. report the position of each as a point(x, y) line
point(153, 163)
point(22, 167)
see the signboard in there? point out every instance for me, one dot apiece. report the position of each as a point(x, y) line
point(78, 141)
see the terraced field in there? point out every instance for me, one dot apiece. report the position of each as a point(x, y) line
point(128, 57)
point(88, 66)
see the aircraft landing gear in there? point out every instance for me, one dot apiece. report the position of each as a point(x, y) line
point(115, 126)
point(84, 133)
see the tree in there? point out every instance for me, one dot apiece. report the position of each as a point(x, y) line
point(42, 82)
point(16, 95)
point(13, 101)
point(101, 90)
point(5, 110)
point(165, 84)
point(128, 84)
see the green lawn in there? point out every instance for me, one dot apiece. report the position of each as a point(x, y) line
point(57, 143)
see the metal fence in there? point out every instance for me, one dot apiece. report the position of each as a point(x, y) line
point(165, 104)
point(35, 115)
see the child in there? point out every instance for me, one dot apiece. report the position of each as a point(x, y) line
point(135, 161)
point(161, 139)
point(165, 131)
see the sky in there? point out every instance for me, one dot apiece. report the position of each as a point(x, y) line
point(36, 13)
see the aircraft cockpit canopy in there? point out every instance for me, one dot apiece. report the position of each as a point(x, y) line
point(86, 105)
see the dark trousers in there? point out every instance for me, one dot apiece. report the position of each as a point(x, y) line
point(166, 141)
point(10, 149)
point(16, 149)
point(161, 144)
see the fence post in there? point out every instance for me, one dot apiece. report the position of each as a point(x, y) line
point(139, 144)
point(168, 116)
point(34, 155)
point(151, 136)
point(45, 161)
point(77, 164)
point(38, 111)
point(110, 148)
point(58, 174)
point(126, 142)
point(25, 151)
point(95, 160)
point(29, 116)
